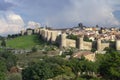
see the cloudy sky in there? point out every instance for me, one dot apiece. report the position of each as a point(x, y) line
point(18, 14)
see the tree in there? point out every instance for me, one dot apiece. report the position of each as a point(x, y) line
point(82, 67)
point(55, 60)
point(74, 37)
point(9, 36)
point(38, 71)
point(34, 49)
point(3, 43)
point(76, 66)
point(3, 69)
point(7, 60)
point(10, 59)
point(93, 50)
point(15, 76)
point(87, 39)
point(47, 68)
point(110, 67)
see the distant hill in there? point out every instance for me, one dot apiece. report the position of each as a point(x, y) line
point(24, 42)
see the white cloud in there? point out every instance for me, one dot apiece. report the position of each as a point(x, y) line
point(32, 24)
point(10, 23)
point(90, 12)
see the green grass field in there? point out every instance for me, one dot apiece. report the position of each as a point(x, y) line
point(25, 42)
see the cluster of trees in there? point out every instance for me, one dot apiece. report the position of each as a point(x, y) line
point(87, 39)
point(7, 61)
point(3, 43)
point(51, 67)
point(13, 35)
point(71, 36)
point(109, 66)
point(69, 51)
point(106, 67)
point(74, 37)
point(82, 67)
point(44, 69)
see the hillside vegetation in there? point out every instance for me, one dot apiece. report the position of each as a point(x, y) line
point(25, 42)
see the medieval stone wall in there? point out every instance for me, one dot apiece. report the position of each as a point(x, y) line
point(71, 43)
point(54, 36)
point(29, 32)
point(104, 45)
point(117, 45)
point(87, 45)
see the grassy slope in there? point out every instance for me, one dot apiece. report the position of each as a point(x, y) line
point(24, 42)
point(27, 42)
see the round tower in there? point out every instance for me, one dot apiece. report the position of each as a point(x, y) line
point(45, 37)
point(48, 35)
point(40, 32)
point(63, 40)
point(117, 44)
point(99, 44)
point(80, 43)
point(43, 33)
point(53, 36)
point(23, 32)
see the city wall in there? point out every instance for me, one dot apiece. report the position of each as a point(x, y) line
point(87, 45)
point(70, 43)
point(104, 45)
point(54, 36)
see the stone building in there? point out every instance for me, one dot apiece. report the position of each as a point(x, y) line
point(36, 30)
point(29, 31)
point(23, 32)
